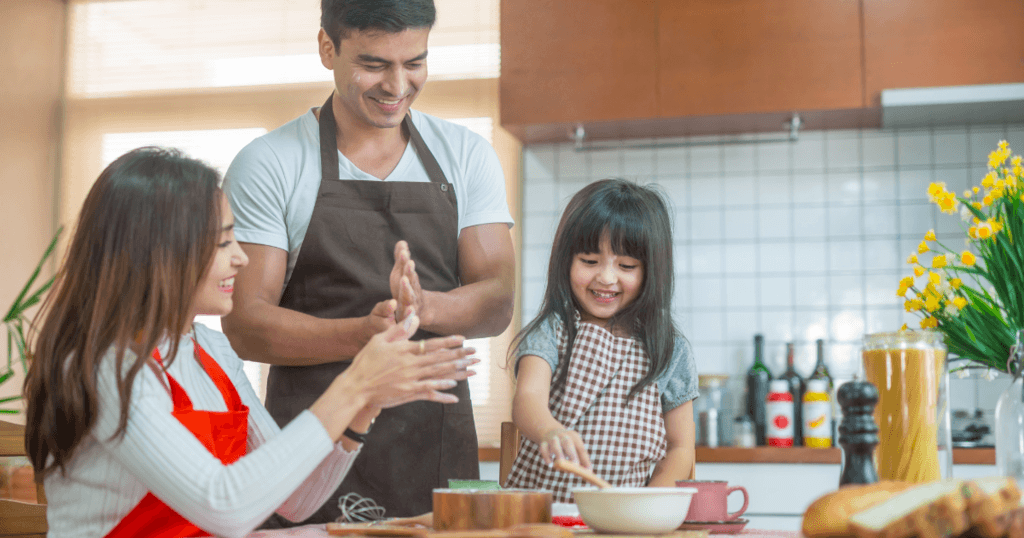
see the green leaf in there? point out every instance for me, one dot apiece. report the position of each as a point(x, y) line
point(17, 308)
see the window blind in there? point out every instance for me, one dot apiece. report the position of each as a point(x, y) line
point(121, 47)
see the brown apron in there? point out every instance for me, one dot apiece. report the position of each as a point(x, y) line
point(342, 271)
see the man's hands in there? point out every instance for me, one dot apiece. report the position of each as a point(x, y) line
point(405, 283)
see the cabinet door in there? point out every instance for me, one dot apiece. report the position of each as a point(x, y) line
point(926, 43)
point(564, 61)
point(751, 56)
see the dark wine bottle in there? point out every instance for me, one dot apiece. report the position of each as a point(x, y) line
point(758, 378)
point(796, 388)
point(820, 370)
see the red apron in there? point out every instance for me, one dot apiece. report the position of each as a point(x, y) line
point(223, 433)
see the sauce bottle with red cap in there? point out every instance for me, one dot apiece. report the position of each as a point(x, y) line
point(780, 410)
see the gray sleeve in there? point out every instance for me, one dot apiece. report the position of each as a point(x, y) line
point(254, 184)
point(679, 383)
point(542, 342)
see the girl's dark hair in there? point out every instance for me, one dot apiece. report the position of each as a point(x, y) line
point(339, 17)
point(145, 237)
point(637, 222)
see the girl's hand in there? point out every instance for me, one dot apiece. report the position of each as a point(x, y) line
point(390, 370)
point(562, 443)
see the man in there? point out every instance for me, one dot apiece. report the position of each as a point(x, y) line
point(354, 214)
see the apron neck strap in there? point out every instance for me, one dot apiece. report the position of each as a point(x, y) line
point(329, 146)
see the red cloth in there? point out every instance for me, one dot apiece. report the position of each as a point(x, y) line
point(224, 434)
point(573, 522)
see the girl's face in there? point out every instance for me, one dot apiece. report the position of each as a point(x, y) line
point(604, 283)
point(213, 298)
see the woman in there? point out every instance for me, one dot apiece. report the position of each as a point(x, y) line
point(142, 423)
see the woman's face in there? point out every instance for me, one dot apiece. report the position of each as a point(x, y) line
point(213, 298)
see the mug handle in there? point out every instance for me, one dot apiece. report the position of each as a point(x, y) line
point(746, 500)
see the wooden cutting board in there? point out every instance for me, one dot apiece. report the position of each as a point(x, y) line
point(520, 531)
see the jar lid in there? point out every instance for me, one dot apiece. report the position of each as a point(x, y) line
point(904, 340)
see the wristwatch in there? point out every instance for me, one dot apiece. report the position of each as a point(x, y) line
point(356, 436)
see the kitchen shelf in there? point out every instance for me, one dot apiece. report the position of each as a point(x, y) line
point(961, 456)
point(767, 454)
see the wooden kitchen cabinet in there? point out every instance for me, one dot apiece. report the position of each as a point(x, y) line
point(926, 43)
point(578, 61)
point(753, 56)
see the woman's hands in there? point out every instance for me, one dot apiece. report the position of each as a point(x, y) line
point(393, 371)
point(560, 443)
point(390, 371)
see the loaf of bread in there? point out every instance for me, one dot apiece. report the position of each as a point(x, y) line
point(829, 515)
point(987, 507)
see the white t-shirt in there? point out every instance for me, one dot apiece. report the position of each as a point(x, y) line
point(273, 181)
point(292, 471)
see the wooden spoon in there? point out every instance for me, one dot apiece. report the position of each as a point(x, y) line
point(567, 466)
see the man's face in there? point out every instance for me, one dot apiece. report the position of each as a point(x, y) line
point(377, 74)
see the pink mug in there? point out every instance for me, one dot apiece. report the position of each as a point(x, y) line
point(710, 501)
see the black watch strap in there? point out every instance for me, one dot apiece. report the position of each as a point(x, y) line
point(355, 436)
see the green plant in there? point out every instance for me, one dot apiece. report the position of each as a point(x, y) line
point(16, 322)
point(974, 296)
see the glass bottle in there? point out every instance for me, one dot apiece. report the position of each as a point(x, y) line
point(1009, 418)
point(820, 370)
point(796, 388)
point(758, 377)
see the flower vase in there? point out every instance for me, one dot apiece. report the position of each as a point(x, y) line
point(1009, 419)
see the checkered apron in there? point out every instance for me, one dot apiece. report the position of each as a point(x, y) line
point(624, 442)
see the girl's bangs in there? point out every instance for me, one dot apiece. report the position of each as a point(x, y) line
point(627, 233)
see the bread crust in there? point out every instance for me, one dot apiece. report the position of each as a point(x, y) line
point(829, 515)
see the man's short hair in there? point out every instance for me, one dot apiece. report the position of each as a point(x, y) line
point(339, 17)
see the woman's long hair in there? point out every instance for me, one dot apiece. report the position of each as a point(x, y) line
point(144, 239)
point(637, 222)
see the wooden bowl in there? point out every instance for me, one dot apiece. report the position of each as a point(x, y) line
point(471, 509)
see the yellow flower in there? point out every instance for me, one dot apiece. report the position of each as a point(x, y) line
point(939, 261)
point(929, 323)
point(968, 193)
point(913, 305)
point(912, 259)
point(948, 203)
point(956, 283)
point(959, 302)
point(936, 189)
point(973, 232)
point(975, 189)
point(907, 281)
point(929, 235)
point(1003, 145)
point(987, 200)
point(922, 248)
point(988, 180)
point(1016, 160)
point(902, 291)
point(976, 205)
point(903, 328)
point(967, 258)
point(918, 270)
point(934, 278)
point(931, 304)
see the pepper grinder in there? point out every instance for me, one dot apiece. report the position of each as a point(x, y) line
point(858, 433)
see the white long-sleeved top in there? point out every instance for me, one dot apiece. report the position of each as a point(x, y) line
point(292, 470)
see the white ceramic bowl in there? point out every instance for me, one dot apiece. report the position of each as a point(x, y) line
point(633, 510)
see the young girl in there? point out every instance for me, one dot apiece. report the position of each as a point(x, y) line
point(603, 377)
point(144, 424)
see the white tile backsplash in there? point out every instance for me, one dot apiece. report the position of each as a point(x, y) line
point(796, 240)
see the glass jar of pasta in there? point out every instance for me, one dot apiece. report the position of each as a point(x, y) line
point(909, 370)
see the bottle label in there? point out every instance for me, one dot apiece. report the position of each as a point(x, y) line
point(780, 422)
point(817, 419)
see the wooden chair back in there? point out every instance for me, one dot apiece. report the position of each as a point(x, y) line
point(508, 451)
point(19, 519)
